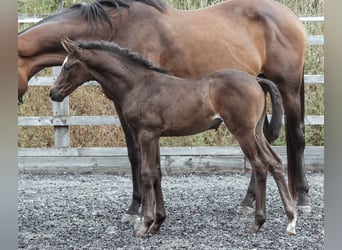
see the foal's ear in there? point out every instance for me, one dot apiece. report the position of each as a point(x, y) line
point(68, 44)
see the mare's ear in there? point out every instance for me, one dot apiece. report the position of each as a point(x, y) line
point(68, 44)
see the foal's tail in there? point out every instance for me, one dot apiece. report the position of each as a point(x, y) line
point(274, 127)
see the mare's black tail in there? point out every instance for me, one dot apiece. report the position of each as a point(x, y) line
point(275, 124)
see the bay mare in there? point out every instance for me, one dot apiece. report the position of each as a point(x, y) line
point(259, 37)
point(154, 104)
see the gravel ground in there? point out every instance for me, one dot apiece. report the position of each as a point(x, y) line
point(84, 211)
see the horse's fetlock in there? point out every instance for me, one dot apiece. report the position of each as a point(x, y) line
point(260, 217)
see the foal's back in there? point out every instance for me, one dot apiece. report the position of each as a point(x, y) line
point(176, 106)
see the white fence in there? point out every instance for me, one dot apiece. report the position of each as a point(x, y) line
point(174, 159)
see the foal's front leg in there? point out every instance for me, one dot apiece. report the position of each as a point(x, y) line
point(160, 209)
point(133, 149)
point(151, 182)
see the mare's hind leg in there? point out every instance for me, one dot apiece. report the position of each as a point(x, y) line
point(295, 143)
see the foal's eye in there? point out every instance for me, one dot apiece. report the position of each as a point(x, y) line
point(66, 67)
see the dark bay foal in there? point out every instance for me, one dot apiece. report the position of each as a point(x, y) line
point(155, 104)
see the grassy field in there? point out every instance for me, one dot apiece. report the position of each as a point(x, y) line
point(89, 100)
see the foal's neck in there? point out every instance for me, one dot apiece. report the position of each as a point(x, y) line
point(117, 76)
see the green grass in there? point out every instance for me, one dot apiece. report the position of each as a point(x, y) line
point(89, 100)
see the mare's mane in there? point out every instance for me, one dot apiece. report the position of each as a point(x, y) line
point(95, 11)
point(123, 52)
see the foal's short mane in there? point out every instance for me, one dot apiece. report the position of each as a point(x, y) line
point(124, 52)
point(95, 11)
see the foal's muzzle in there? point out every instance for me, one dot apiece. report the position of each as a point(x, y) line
point(56, 95)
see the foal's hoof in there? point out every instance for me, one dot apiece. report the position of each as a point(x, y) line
point(291, 227)
point(131, 218)
point(154, 229)
point(254, 229)
point(290, 230)
point(142, 232)
point(246, 210)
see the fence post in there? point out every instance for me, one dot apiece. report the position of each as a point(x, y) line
point(60, 6)
point(61, 133)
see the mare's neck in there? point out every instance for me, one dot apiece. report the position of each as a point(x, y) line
point(32, 65)
point(40, 46)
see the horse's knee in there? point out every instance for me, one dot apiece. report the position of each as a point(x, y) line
point(147, 177)
point(150, 175)
point(260, 171)
point(276, 171)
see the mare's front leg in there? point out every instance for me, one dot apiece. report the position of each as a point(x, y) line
point(151, 181)
point(134, 157)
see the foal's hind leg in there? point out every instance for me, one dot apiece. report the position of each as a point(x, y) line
point(276, 170)
point(246, 205)
point(251, 149)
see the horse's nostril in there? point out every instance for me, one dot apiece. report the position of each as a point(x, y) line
point(53, 94)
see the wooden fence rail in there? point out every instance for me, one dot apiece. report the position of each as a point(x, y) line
point(174, 159)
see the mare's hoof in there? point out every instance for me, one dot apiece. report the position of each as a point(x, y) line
point(246, 210)
point(304, 208)
point(303, 203)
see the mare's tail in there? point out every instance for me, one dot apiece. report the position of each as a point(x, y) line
point(277, 108)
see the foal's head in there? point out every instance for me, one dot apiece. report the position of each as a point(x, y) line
point(73, 73)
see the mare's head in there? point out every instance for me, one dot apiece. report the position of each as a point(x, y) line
point(74, 72)
point(39, 45)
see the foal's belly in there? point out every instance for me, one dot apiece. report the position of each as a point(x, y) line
point(192, 128)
